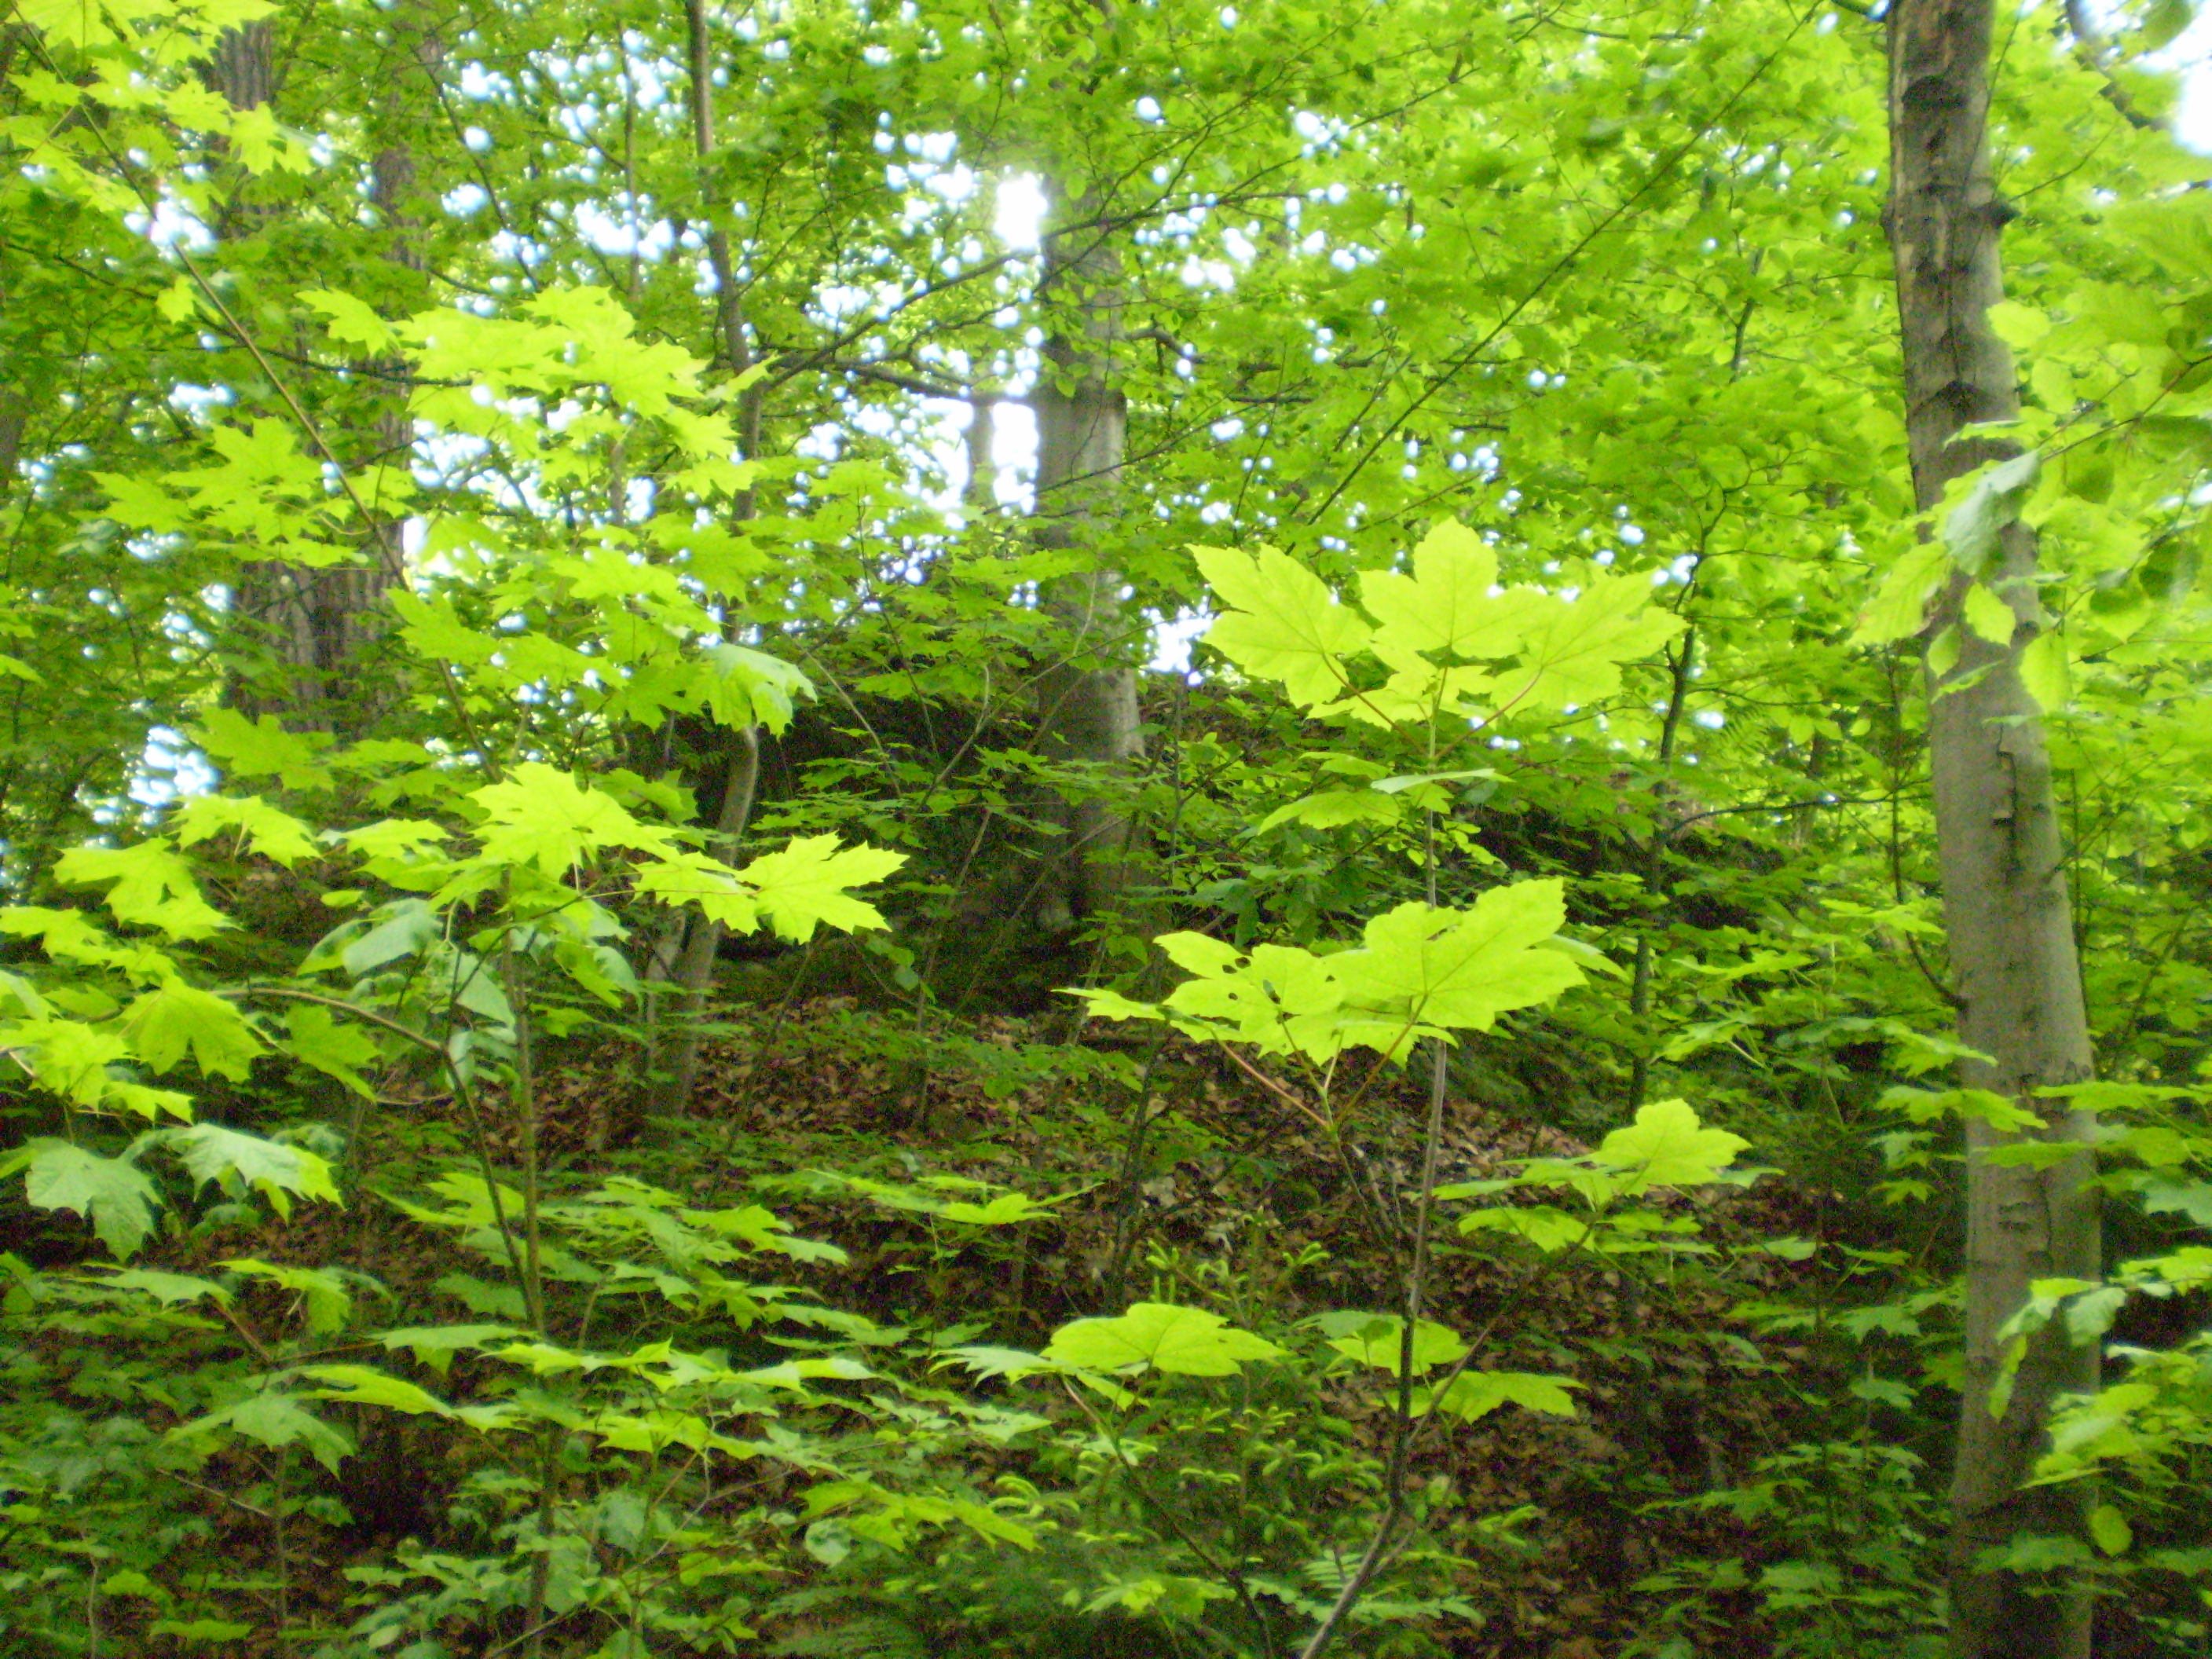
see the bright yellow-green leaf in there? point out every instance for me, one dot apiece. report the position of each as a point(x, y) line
point(1444, 606)
point(177, 1018)
point(317, 1039)
point(69, 1056)
point(435, 628)
point(541, 816)
point(1571, 650)
point(1459, 969)
point(1158, 1336)
point(263, 748)
point(1668, 1146)
point(273, 1420)
point(279, 1172)
point(179, 301)
point(323, 1291)
point(1477, 1393)
point(1989, 616)
point(1378, 1341)
point(269, 830)
point(362, 1385)
point(351, 321)
point(1280, 623)
point(1332, 810)
point(687, 877)
point(2046, 672)
point(170, 1290)
point(149, 885)
point(1899, 606)
point(2110, 1528)
point(807, 883)
point(1282, 998)
point(114, 1194)
point(1545, 1226)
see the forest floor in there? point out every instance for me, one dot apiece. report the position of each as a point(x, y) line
point(1680, 1396)
point(1196, 1183)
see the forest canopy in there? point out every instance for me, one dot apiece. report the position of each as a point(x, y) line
point(1104, 827)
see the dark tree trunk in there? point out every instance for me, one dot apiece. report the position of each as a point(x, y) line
point(321, 624)
point(2005, 901)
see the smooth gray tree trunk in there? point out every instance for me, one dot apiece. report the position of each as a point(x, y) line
point(683, 958)
point(1086, 695)
point(2005, 909)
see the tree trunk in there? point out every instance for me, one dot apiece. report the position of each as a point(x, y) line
point(1087, 712)
point(683, 958)
point(320, 623)
point(2005, 909)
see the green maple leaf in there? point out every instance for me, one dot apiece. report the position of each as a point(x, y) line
point(1444, 606)
point(274, 1420)
point(1333, 809)
point(351, 321)
point(364, 1385)
point(1460, 970)
point(541, 816)
point(1282, 623)
point(170, 1290)
point(166, 1024)
point(1282, 997)
point(806, 884)
point(1477, 1393)
point(279, 1173)
point(750, 686)
point(263, 748)
point(67, 22)
point(1544, 1225)
point(315, 1038)
point(434, 1346)
point(323, 1291)
point(435, 627)
point(1158, 1336)
point(397, 842)
point(69, 1056)
point(114, 1194)
point(607, 572)
point(1666, 1147)
point(1377, 1340)
point(685, 877)
point(269, 830)
point(148, 884)
point(1571, 650)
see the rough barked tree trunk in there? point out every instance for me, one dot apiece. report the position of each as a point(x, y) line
point(2006, 909)
point(1087, 712)
point(318, 624)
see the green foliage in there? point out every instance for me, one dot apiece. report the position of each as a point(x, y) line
point(405, 517)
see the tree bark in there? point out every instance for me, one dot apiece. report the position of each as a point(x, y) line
point(1087, 710)
point(2005, 909)
point(320, 623)
point(684, 957)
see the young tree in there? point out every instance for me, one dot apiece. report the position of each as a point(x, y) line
point(1998, 841)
